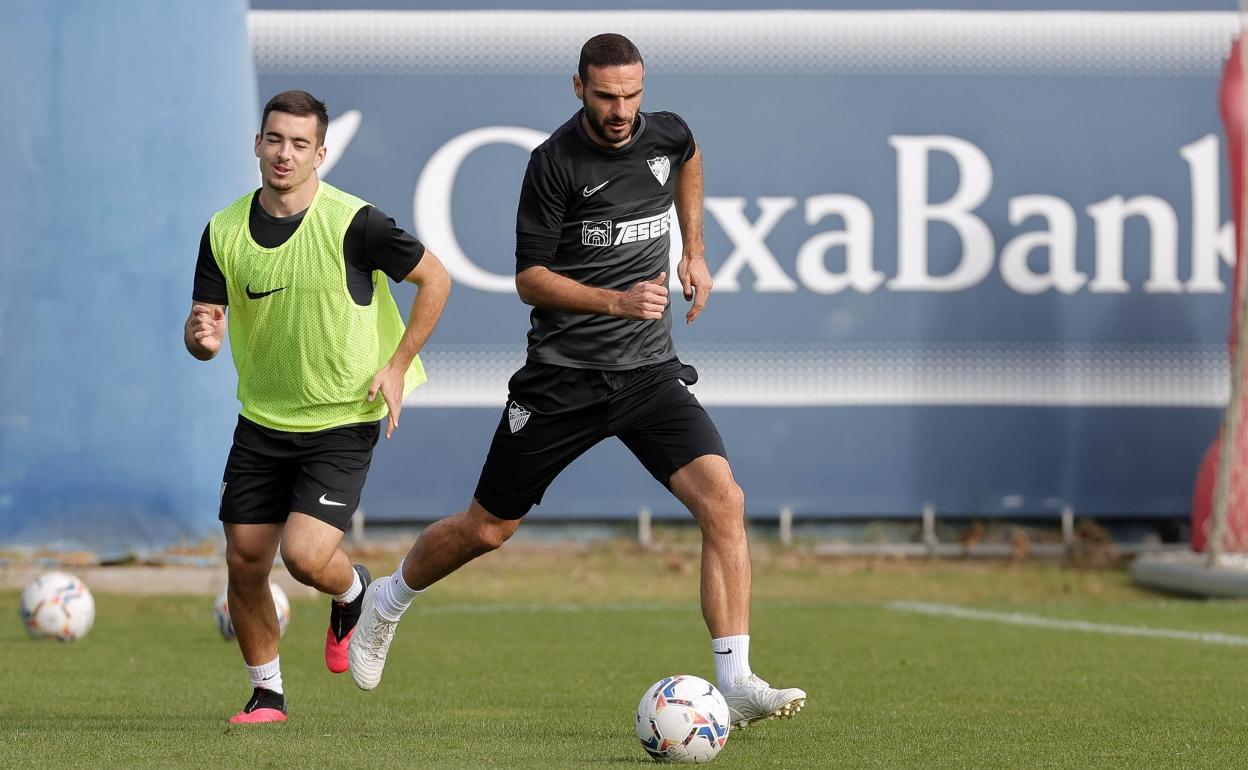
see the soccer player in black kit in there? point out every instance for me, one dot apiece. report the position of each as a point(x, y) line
point(592, 248)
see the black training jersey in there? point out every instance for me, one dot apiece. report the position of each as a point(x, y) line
point(601, 217)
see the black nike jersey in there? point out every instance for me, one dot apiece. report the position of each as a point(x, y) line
point(601, 217)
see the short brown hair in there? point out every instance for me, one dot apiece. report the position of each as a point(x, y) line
point(607, 50)
point(298, 103)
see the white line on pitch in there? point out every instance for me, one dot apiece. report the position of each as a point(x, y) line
point(1037, 621)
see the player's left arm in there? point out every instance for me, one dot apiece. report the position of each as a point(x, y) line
point(695, 277)
point(374, 241)
point(433, 287)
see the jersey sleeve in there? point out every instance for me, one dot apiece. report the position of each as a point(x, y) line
point(690, 145)
point(374, 241)
point(209, 280)
point(539, 215)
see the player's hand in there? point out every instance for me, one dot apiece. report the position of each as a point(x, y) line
point(208, 327)
point(695, 279)
point(645, 301)
point(389, 383)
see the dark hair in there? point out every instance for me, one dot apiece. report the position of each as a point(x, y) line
point(607, 50)
point(298, 103)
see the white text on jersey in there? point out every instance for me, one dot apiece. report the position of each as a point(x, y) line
point(642, 229)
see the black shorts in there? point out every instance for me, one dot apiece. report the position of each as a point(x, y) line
point(272, 472)
point(554, 414)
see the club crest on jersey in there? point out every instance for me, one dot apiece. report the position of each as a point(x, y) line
point(595, 234)
point(660, 167)
point(517, 416)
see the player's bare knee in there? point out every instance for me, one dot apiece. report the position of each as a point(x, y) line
point(487, 531)
point(720, 512)
point(492, 534)
point(723, 503)
point(302, 563)
point(299, 572)
point(244, 566)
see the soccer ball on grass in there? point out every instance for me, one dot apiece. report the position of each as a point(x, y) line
point(57, 605)
point(221, 611)
point(682, 719)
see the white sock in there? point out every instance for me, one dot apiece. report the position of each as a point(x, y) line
point(357, 587)
point(394, 596)
point(267, 675)
point(732, 660)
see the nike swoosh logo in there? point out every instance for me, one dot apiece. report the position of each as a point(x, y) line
point(326, 501)
point(588, 192)
point(258, 294)
point(725, 652)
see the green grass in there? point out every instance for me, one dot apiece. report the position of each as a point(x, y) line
point(537, 659)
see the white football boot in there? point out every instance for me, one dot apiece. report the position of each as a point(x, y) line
point(753, 700)
point(371, 641)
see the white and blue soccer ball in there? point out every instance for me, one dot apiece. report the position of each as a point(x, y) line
point(57, 605)
point(682, 719)
point(221, 611)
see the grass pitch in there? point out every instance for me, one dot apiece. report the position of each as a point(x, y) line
point(536, 658)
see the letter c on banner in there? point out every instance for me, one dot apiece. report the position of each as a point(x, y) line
point(432, 205)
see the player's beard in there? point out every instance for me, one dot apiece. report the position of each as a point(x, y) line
point(601, 130)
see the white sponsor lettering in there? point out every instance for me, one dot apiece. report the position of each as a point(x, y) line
point(860, 274)
point(1059, 239)
point(914, 212)
point(644, 229)
point(338, 134)
point(1211, 242)
point(432, 205)
point(1031, 262)
point(1109, 218)
point(749, 243)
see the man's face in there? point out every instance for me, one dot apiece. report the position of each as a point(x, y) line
point(288, 150)
point(612, 97)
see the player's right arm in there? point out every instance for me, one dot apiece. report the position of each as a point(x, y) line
point(541, 287)
point(539, 221)
point(205, 327)
point(204, 330)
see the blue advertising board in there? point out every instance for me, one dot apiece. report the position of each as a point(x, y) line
point(977, 259)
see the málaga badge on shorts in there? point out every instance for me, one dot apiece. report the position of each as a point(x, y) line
point(517, 416)
point(660, 167)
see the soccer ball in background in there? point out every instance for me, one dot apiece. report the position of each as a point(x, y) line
point(682, 719)
point(57, 605)
point(221, 611)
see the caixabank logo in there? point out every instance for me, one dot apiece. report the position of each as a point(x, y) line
point(842, 256)
point(939, 198)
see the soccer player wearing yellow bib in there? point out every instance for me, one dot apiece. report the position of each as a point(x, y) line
point(322, 355)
